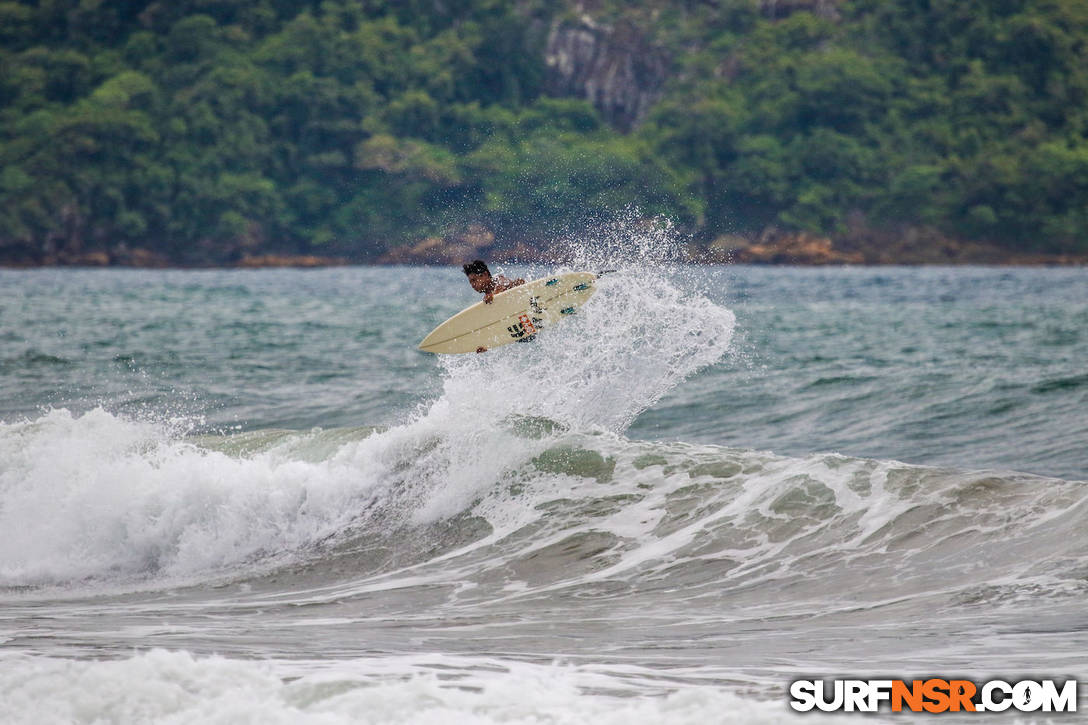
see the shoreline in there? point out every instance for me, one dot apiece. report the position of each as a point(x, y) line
point(771, 248)
point(1020, 264)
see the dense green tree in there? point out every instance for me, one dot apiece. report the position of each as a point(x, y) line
point(206, 129)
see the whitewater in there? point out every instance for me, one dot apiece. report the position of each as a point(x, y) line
point(244, 496)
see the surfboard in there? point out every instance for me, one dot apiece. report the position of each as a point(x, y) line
point(516, 315)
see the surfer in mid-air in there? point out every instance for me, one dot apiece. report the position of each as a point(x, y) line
point(479, 276)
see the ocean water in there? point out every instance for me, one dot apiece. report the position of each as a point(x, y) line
point(244, 496)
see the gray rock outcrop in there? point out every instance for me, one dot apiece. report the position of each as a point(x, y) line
point(613, 67)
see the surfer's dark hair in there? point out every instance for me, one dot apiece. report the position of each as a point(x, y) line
point(477, 267)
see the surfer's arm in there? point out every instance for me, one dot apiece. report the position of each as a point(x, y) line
point(502, 283)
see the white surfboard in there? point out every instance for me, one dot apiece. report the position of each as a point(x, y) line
point(515, 315)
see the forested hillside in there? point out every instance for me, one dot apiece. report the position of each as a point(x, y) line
point(200, 131)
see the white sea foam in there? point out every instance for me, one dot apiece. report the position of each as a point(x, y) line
point(636, 339)
point(397, 575)
point(176, 687)
point(98, 496)
point(101, 497)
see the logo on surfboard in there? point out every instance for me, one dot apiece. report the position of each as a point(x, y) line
point(523, 327)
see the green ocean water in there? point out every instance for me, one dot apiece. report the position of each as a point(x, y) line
point(973, 367)
point(245, 491)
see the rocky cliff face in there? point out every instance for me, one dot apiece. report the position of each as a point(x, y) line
point(613, 67)
point(617, 68)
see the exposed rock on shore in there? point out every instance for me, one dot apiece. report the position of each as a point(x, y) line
point(119, 256)
point(475, 241)
point(907, 245)
point(774, 247)
point(861, 245)
point(290, 260)
point(472, 242)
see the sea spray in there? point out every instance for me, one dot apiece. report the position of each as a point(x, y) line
point(133, 500)
point(639, 336)
point(98, 496)
point(673, 570)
